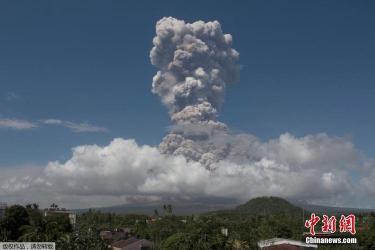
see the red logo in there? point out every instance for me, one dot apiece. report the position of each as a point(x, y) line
point(329, 224)
point(347, 224)
point(311, 223)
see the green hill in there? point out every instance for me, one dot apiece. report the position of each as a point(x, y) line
point(263, 206)
point(267, 205)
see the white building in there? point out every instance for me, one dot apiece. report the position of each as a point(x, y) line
point(279, 243)
point(56, 211)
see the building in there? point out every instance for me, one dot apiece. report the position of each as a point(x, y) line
point(116, 235)
point(126, 230)
point(133, 244)
point(105, 235)
point(3, 207)
point(224, 231)
point(122, 233)
point(284, 244)
point(62, 211)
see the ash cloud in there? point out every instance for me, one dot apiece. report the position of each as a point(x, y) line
point(196, 61)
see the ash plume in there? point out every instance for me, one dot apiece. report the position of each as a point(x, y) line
point(196, 61)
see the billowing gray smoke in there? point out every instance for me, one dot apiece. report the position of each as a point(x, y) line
point(195, 61)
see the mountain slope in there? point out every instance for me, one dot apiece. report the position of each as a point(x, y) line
point(267, 205)
point(262, 206)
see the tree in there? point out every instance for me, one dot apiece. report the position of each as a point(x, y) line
point(156, 213)
point(169, 209)
point(3, 231)
point(16, 216)
point(165, 208)
point(53, 205)
point(181, 241)
point(57, 225)
point(33, 233)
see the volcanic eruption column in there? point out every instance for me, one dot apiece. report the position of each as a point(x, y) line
point(195, 62)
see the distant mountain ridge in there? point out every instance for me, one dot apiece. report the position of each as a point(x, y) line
point(179, 208)
point(331, 210)
point(259, 205)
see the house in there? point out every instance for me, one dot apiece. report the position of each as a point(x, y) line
point(119, 235)
point(123, 233)
point(62, 211)
point(151, 221)
point(105, 235)
point(284, 244)
point(115, 235)
point(126, 230)
point(133, 244)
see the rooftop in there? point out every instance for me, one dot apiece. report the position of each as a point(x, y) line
point(281, 241)
point(132, 243)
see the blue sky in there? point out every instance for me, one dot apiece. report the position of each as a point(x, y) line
point(307, 67)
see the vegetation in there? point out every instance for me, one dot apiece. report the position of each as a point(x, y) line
point(259, 219)
point(28, 224)
point(268, 205)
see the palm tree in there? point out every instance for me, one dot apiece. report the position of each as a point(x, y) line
point(165, 208)
point(53, 205)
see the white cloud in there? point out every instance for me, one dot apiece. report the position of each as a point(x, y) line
point(52, 121)
point(16, 124)
point(75, 127)
point(314, 167)
point(368, 181)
